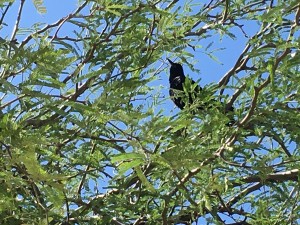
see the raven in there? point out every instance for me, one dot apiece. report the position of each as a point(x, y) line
point(177, 80)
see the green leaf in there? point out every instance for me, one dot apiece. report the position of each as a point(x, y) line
point(118, 7)
point(113, 12)
point(127, 156)
point(144, 179)
point(207, 202)
point(271, 69)
point(125, 166)
point(39, 6)
point(34, 93)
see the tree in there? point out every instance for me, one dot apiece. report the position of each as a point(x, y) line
point(83, 140)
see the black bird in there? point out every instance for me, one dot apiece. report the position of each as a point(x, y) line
point(177, 80)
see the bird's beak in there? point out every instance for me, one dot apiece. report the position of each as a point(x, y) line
point(171, 62)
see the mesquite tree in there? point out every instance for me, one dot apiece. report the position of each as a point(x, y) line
point(88, 137)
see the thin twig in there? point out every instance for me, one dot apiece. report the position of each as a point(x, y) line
point(5, 11)
point(16, 27)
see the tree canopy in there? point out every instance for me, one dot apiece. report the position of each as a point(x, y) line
point(85, 137)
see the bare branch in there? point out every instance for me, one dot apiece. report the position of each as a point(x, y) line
point(16, 27)
point(5, 11)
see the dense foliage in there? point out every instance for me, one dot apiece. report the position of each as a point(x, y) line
point(85, 139)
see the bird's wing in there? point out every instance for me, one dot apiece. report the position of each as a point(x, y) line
point(176, 83)
point(176, 86)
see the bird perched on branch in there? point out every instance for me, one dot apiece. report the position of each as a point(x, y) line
point(179, 82)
